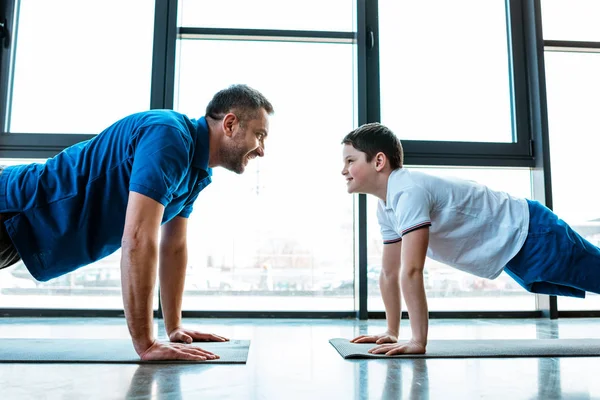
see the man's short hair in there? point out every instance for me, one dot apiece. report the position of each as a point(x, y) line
point(242, 100)
point(374, 138)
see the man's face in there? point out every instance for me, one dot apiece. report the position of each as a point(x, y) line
point(246, 142)
point(357, 170)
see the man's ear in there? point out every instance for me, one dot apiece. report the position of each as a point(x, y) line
point(380, 161)
point(229, 121)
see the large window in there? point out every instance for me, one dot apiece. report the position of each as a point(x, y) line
point(94, 286)
point(79, 65)
point(575, 20)
point(306, 15)
point(449, 79)
point(280, 236)
point(572, 89)
point(449, 289)
point(445, 72)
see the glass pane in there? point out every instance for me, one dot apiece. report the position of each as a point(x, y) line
point(444, 72)
point(573, 20)
point(449, 289)
point(313, 15)
point(80, 65)
point(280, 236)
point(572, 87)
point(94, 286)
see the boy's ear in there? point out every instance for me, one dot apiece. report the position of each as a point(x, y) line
point(380, 161)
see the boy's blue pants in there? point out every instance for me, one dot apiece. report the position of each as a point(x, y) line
point(554, 259)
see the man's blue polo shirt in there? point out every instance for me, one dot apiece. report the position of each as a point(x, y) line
point(71, 209)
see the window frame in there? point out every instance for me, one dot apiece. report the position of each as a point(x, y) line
point(529, 122)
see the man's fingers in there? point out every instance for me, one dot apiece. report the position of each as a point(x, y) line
point(207, 337)
point(194, 350)
point(182, 337)
point(213, 338)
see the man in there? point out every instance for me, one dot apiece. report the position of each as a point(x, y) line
point(116, 190)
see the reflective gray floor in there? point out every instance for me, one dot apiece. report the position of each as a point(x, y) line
point(292, 359)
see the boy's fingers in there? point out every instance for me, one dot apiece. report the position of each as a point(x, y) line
point(385, 339)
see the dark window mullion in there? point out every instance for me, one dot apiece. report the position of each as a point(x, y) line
point(37, 145)
point(7, 14)
point(266, 34)
point(163, 54)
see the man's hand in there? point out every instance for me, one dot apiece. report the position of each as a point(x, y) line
point(410, 347)
point(379, 339)
point(189, 336)
point(176, 351)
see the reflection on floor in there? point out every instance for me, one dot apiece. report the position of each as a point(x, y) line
point(292, 359)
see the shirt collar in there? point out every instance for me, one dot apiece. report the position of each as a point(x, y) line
point(390, 192)
point(201, 150)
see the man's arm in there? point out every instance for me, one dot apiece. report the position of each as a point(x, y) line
point(172, 268)
point(138, 266)
point(138, 276)
point(389, 285)
point(173, 264)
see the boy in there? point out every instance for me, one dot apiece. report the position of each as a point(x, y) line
point(462, 224)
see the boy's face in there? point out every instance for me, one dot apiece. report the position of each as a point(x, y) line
point(357, 170)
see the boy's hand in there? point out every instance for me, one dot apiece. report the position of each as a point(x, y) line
point(410, 347)
point(379, 339)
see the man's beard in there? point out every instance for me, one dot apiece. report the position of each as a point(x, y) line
point(233, 158)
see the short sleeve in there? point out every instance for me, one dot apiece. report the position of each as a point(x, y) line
point(388, 233)
point(160, 162)
point(412, 209)
point(189, 204)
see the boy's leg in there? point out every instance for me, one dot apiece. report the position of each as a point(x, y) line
point(555, 259)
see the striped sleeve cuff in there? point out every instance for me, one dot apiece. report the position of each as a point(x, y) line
point(415, 227)
point(390, 241)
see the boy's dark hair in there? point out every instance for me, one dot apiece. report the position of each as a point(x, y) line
point(245, 101)
point(374, 138)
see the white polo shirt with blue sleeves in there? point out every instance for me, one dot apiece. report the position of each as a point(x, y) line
point(70, 210)
point(471, 227)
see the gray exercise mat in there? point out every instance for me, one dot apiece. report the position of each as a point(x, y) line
point(108, 351)
point(482, 348)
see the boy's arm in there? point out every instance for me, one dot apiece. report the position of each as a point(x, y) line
point(389, 285)
point(414, 251)
point(411, 281)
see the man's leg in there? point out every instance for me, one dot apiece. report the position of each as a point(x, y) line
point(8, 252)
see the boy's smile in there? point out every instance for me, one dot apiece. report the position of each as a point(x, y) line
point(356, 169)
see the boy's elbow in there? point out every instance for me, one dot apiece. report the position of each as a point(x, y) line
point(412, 273)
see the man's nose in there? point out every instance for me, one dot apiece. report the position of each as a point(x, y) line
point(261, 151)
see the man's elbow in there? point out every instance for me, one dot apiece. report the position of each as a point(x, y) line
point(138, 243)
